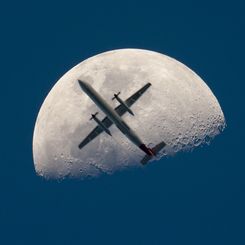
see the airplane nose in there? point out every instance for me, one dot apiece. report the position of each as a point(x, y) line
point(82, 84)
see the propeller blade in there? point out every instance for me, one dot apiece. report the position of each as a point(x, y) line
point(115, 95)
point(94, 115)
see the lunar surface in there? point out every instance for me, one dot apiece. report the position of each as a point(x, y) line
point(178, 109)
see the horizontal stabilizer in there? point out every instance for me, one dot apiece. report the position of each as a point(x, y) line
point(155, 149)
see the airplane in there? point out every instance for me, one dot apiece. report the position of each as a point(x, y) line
point(115, 116)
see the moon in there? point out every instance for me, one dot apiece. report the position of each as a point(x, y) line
point(179, 109)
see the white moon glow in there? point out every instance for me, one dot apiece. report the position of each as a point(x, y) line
point(178, 108)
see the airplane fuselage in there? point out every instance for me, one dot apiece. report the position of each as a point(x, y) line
point(113, 116)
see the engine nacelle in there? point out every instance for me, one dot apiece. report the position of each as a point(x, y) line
point(100, 123)
point(116, 96)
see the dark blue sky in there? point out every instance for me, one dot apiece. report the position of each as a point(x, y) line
point(193, 198)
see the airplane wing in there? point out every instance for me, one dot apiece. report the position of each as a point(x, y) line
point(130, 101)
point(95, 132)
point(120, 109)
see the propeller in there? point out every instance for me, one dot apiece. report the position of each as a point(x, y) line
point(94, 115)
point(115, 95)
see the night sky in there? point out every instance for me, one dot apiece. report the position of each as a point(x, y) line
point(193, 198)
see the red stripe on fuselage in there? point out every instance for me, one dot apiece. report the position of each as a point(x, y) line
point(147, 150)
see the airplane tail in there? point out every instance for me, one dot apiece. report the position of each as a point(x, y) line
point(155, 149)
